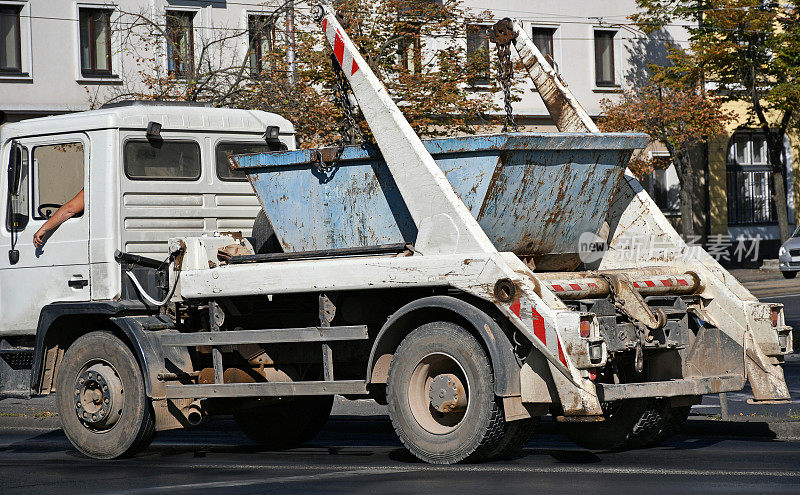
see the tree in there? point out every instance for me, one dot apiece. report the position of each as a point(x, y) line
point(680, 116)
point(430, 84)
point(750, 51)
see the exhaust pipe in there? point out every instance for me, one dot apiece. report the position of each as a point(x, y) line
point(193, 413)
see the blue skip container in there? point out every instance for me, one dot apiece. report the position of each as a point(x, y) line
point(532, 193)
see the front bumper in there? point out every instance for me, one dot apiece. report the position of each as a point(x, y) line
point(788, 263)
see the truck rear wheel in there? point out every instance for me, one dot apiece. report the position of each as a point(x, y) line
point(285, 425)
point(440, 394)
point(101, 398)
point(629, 424)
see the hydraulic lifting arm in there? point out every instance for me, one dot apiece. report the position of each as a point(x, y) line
point(565, 110)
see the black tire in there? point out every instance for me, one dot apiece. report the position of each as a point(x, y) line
point(467, 433)
point(133, 426)
point(264, 238)
point(516, 435)
point(285, 425)
point(674, 417)
point(629, 424)
point(789, 274)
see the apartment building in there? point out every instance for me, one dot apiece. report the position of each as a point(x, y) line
point(57, 56)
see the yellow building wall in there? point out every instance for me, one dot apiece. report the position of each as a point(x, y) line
point(717, 169)
point(794, 143)
point(717, 185)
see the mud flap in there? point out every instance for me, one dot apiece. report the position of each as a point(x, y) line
point(574, 400)
point(766, 379)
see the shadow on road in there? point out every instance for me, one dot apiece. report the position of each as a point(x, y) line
point(352, 438)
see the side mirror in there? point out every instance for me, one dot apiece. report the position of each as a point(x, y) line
point(14, 169)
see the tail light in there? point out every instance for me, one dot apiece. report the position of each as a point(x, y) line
point(586, 327)
point(775, 315)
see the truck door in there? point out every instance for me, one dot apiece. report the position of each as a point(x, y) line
point(54, 170)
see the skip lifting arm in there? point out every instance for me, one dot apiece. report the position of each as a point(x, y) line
point(565, 110)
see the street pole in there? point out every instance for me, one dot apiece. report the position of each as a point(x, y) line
point(290, 52)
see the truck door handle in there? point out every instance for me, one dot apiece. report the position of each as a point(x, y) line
point(78, 283)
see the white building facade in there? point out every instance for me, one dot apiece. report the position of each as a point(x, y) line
point(58, 55)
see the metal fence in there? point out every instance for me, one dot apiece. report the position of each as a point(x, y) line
point(750, 196)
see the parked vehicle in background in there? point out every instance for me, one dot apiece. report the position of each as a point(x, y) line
point(789, 255)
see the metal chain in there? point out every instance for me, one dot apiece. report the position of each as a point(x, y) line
point(349, 129)
point(505, 74)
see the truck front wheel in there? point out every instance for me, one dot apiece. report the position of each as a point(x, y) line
point(101, 398)
point(440, 394)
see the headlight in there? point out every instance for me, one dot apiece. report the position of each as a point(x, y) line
point(782, 251)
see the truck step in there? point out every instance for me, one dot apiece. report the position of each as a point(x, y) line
point(266, 336)
point(266, 389)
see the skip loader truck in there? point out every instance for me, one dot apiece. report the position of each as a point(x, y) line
point(472, 284)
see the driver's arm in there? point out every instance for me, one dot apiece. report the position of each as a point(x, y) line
point(67, 211)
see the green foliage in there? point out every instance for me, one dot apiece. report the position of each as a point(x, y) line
point(749, 50)
point(672, 108)
point(416, 48)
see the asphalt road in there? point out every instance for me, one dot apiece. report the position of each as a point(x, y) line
point(360, 454)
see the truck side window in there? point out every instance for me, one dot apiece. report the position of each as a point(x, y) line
point(162, 160)
point(224, 150)
point(17, 215)
point(59, 171)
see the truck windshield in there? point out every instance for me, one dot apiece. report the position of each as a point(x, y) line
point(225, 150)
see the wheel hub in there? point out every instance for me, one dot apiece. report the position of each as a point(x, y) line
point(98, 396)
point(438, 393)
point(447, 393)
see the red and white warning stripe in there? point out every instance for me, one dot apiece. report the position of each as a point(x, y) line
point(658, 282)
point(585, 287)
point(546, 334)
point(336, 38)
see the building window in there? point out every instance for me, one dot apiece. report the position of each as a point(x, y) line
point(261, 30)
point(95, 27)
point(664, 187)
point(409, 49)
point(10, 42)
point(750, 185)
point(543, 39)
point(604, 58)
point(180, 43)
point(478, 53)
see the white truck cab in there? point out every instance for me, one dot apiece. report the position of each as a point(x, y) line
point(149, 171)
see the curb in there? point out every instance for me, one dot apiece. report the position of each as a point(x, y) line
point(778, 430)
